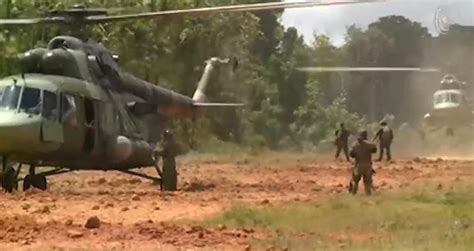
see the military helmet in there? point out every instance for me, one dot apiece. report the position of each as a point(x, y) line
point(363, 135)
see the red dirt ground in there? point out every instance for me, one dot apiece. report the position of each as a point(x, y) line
point(135, 215)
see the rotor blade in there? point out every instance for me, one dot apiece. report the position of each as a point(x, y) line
point(28, 21)
point(226, 9)
point(200, 104)
point(367, 69)
point(20, 21)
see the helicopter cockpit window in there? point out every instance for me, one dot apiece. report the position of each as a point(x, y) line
point(454, 98)
point(68, 110)
point(10, 97)
point(439, 99)
point(30, 101)
point(50, 105)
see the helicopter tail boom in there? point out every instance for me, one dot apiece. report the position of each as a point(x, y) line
point(173, 104)
point(200, 93)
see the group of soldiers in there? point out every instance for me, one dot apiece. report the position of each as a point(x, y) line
point(362, 152)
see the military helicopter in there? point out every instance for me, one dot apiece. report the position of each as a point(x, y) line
point(73, 108)
point(452, 107)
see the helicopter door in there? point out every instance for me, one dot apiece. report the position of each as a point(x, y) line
point(51, 129)
point(90, 125)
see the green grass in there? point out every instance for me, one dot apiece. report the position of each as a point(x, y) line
point(424, 219)
point(264, 158)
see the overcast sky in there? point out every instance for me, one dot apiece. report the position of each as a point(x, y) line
point(333, 21)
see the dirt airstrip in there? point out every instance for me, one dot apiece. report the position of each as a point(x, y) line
point(133, 214)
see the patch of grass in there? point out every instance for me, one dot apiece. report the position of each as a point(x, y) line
point(420, 220)
point(264, 158)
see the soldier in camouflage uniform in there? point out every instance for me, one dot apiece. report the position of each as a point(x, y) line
point(342, 141)
point(385, 138)
point(362, 153)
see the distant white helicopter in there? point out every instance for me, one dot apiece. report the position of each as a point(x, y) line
point(451, 106)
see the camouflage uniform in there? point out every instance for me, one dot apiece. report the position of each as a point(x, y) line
point(342, 141)
point(385, 137)
point(362, 153)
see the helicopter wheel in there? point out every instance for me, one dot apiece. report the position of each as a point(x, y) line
point(36, 181)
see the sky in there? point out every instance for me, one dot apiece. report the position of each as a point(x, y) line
point(333, 21)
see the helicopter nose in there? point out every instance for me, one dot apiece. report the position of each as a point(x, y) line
point(18, 132)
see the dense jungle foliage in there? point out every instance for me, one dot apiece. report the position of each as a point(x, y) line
point(285, 108)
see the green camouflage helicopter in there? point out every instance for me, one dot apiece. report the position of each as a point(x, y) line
point(73, 108)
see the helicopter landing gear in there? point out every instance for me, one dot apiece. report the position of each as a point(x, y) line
point(38, 180)
point(167, 173)
point(9, 176)
point(158, 170)
point(169, 178)
point(34, 180)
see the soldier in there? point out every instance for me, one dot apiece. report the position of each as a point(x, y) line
point(168, 154)
point(342, 141)
point(362, 153)
point(385, 138)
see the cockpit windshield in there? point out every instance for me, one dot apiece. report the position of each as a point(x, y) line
point(455, 98)
point(448, 97)
point(1, 93)
point(31, 101)
point(10, 97)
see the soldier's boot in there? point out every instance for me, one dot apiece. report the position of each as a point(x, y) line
point(381, 152)
point(338, 152)
point(354, 188)
point(368, 189)
point(368, 185)
point(346, 153)
point(389, 154)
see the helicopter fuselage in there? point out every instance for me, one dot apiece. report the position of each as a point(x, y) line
point(451, 109)
point(49, 120)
